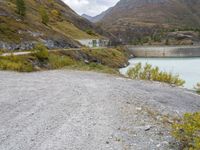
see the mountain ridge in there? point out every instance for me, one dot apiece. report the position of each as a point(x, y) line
point(97, 18)
point(146, 17)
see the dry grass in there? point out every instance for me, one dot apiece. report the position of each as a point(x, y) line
point(63, 27)
point(106, 61)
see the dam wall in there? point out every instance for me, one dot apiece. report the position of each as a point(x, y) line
point(165, 51)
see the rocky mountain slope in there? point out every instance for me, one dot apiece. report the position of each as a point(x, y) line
point(63, 27)
point(137, 18)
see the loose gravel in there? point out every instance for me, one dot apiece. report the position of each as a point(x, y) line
point(74, 110)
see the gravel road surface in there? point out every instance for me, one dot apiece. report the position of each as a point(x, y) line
point(73, 110)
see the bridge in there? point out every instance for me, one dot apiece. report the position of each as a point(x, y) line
point(164, 51)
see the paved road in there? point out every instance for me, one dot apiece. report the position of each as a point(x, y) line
point(72, 110)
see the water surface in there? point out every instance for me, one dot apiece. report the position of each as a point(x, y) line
point(187, 68)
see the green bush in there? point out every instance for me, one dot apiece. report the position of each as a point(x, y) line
point(153, 73)
point(187, 131)
point(198, 88)
point(21, 7)
point(41, 52)
point(44, 15)
point(90, 32)
point(57, 61)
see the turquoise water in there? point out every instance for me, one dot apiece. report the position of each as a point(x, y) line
point(187, 68)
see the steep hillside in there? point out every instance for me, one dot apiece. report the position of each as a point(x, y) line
point(63, 27)
point(137, 18)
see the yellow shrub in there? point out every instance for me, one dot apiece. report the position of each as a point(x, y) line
point(55, 13)
point(41, 52)
point(187, 131)
point(15, 63)
point(153, 73)
point(57, 61)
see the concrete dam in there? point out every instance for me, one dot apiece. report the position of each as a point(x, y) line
point(164, 51)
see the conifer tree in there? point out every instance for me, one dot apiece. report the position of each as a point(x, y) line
point(21, 7)
point(44, 15)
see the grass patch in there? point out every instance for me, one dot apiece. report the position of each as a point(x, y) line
point(110, 57)
point(154, 74)
point(7, 33)
point(40, 52)
point(93, 67)
point(16, 63)
point(70, 30)
point(56, 61)
point(187, 131)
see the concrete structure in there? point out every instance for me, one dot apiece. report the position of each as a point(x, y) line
point(94, 42)
point(165, 51)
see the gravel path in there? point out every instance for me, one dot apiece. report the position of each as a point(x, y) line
point(73, 110)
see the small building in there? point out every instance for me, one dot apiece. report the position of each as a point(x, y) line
point(94, 42)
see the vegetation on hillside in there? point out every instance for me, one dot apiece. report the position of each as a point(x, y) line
point(148, 72)
point(111, 57)
point(197, 87)
point(44, 15)
point(187, 131)
point(30, 20)
point(143, 21)
point(16, 63)
point(40, 52)
point(21, 7)
point(101, 60)
point(172, 36)
point(91, 32)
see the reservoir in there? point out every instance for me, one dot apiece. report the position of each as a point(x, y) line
point(187, 68)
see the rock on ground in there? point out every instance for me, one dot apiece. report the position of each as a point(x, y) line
point(61, 110)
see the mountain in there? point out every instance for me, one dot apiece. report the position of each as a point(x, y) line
point(90, 18)
point(130, 19)
point(61, 31)
point(98, 17)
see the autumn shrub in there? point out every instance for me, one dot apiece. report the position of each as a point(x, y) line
point(15, 63)
point(57, 61)
point(187, 131)
point(148, 72)
point(56, 15)
point(44, 15)
point(40, 52)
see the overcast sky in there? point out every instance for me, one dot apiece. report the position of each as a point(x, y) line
point(90, 7)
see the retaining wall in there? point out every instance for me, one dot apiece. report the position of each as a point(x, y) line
point(165, 51)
